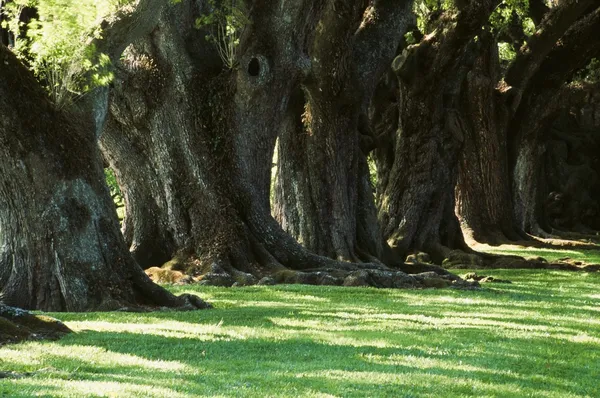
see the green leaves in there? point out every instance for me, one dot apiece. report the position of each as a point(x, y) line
point(226, 22)
point(58, 44)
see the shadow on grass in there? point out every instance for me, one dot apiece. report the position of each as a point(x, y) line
point(525, 339)
point(265, 367)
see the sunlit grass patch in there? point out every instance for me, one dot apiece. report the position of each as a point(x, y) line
point(584, 255)
point(538, 336)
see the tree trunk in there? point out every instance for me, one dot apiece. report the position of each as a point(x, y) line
point(501, 191)
point(573, 167)
point(416, 195)
point(417, 203)
point(61, 249)
point(210, 135)
point(332, 213)
point(483, 199)
point(536, 109)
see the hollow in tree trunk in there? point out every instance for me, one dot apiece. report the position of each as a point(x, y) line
point(210, 138)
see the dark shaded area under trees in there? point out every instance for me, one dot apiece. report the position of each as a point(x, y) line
point(464, 141)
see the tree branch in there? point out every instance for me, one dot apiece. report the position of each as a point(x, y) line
point(537, 10)
point(532, 54)
point(575, 49)
point(128, 25)
point(377, 39)
point(546, 89)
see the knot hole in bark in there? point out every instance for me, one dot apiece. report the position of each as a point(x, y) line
point(254, 67)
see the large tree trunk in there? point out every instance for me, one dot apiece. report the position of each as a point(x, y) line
point(416, 193)
point(60, 246)
point(536, 107)
point(417, 203)
point(210, 135)
point(483, 200)
point(573, 167)
point(323, 195)
point(501, 191)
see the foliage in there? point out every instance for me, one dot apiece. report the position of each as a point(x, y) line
point(506, 52)
point(535, 337)
point(372, 171)
point(591, 73)
point(10, 13)
point(426, 12)
point(115, 192)
point(58, 44)
point(504, 18)
point(227, 21)
point(511, 11)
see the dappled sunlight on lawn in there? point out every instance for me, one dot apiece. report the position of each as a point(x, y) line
point(88, 356)
point(412, 379)
point(532, 338)
point(74, 388)
point(174, 329)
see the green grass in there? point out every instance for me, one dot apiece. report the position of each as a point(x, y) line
point(538, 337)
point(588, 256)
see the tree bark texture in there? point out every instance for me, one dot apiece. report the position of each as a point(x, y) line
point(416, 191)
point(483, 200)
point(502, 164)
point(537, 109)
point(206, 136)
point(572, 165)
point(332, 213)
point(60, 246)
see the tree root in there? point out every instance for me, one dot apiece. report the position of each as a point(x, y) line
point(479, 260)
point(226, 274)
point(19, 325)
point(263, 254)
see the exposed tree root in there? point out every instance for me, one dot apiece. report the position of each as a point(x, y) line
point(480, 260)
point(495, 236)
point(269, 262)
point(19, 325)
point(575, 235)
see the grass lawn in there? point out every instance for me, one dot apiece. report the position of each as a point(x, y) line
point(587, 256)
point(538, 337)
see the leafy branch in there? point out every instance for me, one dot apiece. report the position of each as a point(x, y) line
point(227, 21)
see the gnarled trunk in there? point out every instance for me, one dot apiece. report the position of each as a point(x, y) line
point(416, 192)
point(210, 138)
point(60, 246)
point(416, 204)
point(538, 106)
point(573, 166)
point(324, 197)
point(483, 192)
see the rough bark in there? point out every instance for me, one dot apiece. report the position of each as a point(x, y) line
point(209, 136)
point(537, 110)
point(417, 201)
point(553, 26)
point(483, 200)
point(502, 163)
point(332, 213)
point(61, 249)
point(572, 164)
